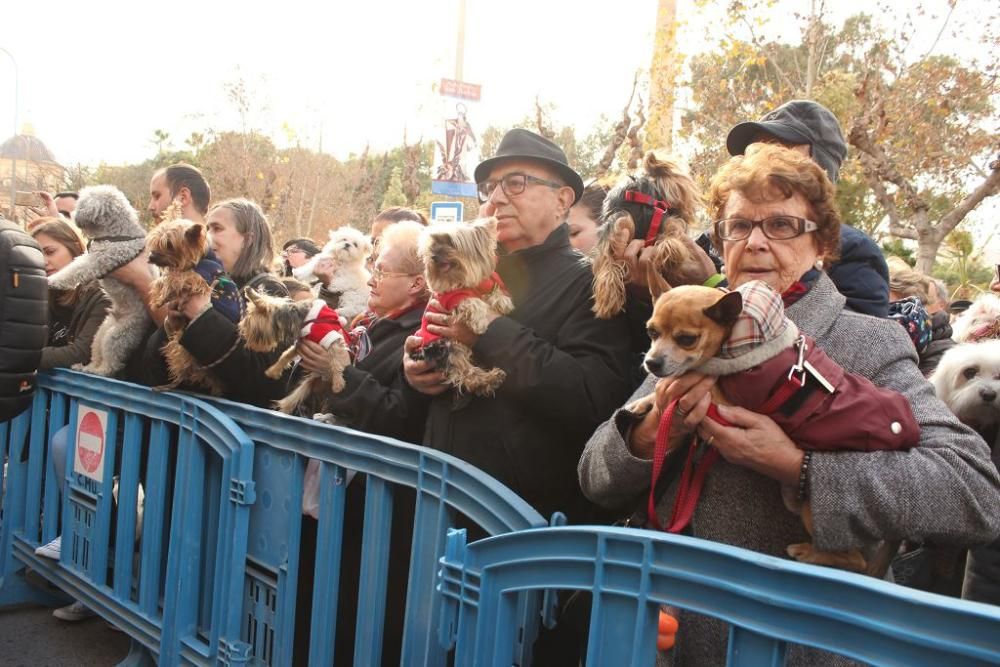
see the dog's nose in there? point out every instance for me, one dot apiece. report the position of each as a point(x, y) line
point(988, 395)
point(654, 365)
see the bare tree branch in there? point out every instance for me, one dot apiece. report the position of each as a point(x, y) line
point(770, 55)
point(619, 135)
point(989, 187)
point(944, 25)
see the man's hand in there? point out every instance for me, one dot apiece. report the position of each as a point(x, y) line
point(315, 358)
point(694, 393)
point(191, 307)
point(421, 375)
point(446, 326)
point(324, 270)
point(754, 441)
point(51, 209)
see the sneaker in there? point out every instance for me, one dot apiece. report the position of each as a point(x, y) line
point(50, 550)
point(73, 612)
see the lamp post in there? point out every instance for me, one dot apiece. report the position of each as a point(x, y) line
point(13, 156)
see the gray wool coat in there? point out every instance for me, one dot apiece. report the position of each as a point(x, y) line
point(858, 498)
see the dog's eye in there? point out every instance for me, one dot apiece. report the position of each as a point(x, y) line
point(686, 340)
point(652, 333)
point(971, 372)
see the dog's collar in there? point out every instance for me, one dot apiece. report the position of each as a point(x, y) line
point(659, 207)
point(114, 239)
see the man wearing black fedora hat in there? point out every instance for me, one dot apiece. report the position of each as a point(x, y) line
point(566, 370)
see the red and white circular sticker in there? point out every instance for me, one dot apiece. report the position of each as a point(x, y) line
point(90, 440)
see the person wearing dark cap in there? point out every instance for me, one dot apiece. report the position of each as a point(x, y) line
point(295, 253)
point(566, 371)
point(861, 273)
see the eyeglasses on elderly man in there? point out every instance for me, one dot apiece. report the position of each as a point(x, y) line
point(512, 184)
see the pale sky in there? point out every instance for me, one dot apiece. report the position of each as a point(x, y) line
point(98, 77)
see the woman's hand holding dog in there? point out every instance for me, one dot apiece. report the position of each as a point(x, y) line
point(754, 441)
point(315, 358)
point(421, 375)
point(693, 392)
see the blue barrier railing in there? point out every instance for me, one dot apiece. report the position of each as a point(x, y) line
point(198, 485)
point(208, 572)
point(768, 602)
point(217, 569)
point(444, 488)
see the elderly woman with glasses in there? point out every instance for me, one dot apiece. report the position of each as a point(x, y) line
point(777, 222)
point(372, 401)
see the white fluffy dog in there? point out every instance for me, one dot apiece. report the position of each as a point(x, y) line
point(347, 249)
point(116, 238)
point(981, 320)
point(967, 379)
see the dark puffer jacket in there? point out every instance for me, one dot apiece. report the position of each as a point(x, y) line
point(23, 315)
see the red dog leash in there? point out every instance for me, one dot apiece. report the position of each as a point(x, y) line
point(659, 207)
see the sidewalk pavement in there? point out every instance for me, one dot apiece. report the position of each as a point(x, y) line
point(31, 637)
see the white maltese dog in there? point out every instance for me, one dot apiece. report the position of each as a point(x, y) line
point(980, 321)
point(347, 250)
point(968, 380)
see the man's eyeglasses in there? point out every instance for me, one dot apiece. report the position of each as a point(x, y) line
point(776, 228)
point(378, 274)
point(512, 185)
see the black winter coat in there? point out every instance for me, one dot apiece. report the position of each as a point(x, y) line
point(377, 398)
point(566, 373)
point(861, 273)
point(212, 337)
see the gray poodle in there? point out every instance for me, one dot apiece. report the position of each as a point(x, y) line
point(112, 225)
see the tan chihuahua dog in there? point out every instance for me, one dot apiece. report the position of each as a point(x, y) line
point(691, 329)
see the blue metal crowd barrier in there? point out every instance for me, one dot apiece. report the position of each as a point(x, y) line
point(768, 602)
point(445, 487)
point(220, 586)
point(208, 573)
point(172, 594)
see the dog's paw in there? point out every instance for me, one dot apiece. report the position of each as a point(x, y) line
point(79, 366)
point(642, 406)
point(801, 552)
point(274, 372)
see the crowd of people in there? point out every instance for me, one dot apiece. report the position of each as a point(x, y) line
point(561, 431)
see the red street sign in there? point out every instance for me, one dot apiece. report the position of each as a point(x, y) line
point(460, 89)
point(90, 442)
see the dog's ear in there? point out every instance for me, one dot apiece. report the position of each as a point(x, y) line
point(194, 234)
point(726, 310)
point(657, 283)
point(254, 297)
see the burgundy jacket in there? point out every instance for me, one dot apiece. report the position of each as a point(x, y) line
point(857, 415)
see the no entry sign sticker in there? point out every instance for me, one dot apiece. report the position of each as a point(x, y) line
point(91, 440)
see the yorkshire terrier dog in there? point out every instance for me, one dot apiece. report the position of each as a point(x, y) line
point(111, 224)
point(459, 260)
point(656, 206)
point(347, 249)
point(271, 323)
point(763, 363)
point(967, 379)
point(189, 268)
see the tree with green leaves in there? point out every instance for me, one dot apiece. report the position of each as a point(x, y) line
point(923, 126)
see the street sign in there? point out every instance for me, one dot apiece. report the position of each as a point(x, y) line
point(446, 211)
point(91, 443)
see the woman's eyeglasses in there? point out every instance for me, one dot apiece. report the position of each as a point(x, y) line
point(776, 228)
point(378, 274)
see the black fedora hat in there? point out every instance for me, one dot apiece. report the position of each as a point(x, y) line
point(521, 144)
